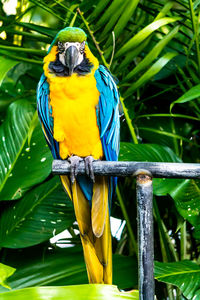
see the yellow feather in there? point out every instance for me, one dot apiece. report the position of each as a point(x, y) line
point(99, 205)
point(93, 265)
point(66, 184)
point(103, 247)
point(74, 110)
point(82, 209)
point(97, 251)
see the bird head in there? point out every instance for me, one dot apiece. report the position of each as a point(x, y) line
point(71, 46)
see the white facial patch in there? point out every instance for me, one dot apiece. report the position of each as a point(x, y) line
point(62, 47)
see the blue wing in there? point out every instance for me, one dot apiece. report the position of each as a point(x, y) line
point(108, 117)
point(44, 113)
point(108, 113)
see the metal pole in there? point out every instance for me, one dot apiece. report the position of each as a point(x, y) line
point(145, 237)
point(131, 168)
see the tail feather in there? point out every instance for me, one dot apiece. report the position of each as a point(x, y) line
point(99, 205)
point(103, 247)
point(66, 184)
point(94, 226)
point(82, 209)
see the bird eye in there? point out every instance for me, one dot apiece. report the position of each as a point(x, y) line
point(82, 47)
point(61, 47)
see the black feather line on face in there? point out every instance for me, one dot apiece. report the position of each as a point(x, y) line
point(59, 69)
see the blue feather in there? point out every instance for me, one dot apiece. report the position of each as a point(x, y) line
point(108, 116)
point(45, 115)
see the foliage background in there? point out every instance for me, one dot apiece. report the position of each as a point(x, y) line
point(154, 53)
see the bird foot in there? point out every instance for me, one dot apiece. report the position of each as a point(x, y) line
point(74, 161)
point(89, 167)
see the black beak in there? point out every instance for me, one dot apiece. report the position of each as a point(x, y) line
point(71, 58)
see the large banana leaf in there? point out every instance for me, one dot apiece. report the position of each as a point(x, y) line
point(78, 292)
point(21, 165)
point(183, 274)
point(35, 217)
point(41, 267)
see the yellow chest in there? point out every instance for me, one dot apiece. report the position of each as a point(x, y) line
point(73, 100)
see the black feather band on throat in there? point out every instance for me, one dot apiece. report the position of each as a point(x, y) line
point(59, 69)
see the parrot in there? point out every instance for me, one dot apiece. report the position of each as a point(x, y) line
point(78, 107)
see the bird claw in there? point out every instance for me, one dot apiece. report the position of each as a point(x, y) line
point(74, 161)
point(89, 167)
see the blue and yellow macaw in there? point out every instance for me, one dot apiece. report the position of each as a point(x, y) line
point(78, 106)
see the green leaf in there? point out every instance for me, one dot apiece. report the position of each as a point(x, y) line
point(48, 9)
point(78, 292)
point(125, 17)
point(38, 28)
point(143, 34)
point(20, 58)
point(165, 131)
point(183, 274)
point(25, 50)
point(5, 272)
point(147, 152)
point(187, 200)
point(169, 115)
point(131, 55)
point(22, 165)
point(61, 266)
point(190, 95)
point(153, 70)
point(6, 65)
point(98, 9)
point(33, 219)
point(115, 17)
point(153, 54)
point(109, 12)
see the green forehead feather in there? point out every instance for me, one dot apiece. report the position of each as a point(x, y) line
point(71, 34)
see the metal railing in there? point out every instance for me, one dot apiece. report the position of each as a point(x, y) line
point(144, 171)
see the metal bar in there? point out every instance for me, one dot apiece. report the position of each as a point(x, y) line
point(145, 237)
point(130, 168)
point(144, 171)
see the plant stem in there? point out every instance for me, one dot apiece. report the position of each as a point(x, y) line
point(183, 241)
point(126, 217)
point(164, 235)
point(176, 148)
point(113, 51)
point(93, 38)
point(129, 122)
